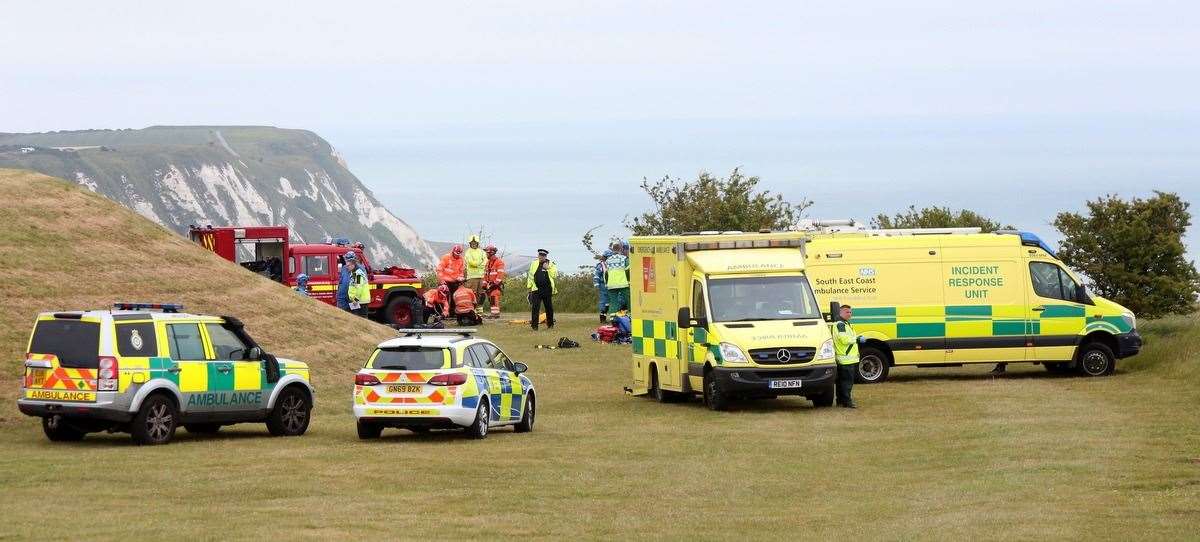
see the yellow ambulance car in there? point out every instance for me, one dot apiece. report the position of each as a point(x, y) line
point(950, 297)
point(728, 316)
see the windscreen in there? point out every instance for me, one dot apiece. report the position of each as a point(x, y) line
point(74, 342)
point(762, 298)
point(411, 358)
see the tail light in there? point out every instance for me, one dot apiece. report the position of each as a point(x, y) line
point(449, 379)
point(110, 374)
point(366, 379)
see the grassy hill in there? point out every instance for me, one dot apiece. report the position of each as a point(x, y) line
point(942, 453)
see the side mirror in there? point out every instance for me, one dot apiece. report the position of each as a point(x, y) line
point(519, 367)
point(271, 364)
point(1082, 297)
point(255, 353)
point(685, 317)
point(835, 312)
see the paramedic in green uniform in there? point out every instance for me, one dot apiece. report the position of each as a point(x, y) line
point(845, 345)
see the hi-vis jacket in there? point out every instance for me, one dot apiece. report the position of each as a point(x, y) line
point(845, 343)
point(551, 271)
point(494, 274)
point(450, 269)
point(618, 271)
point(476, 260)
point(360, 287)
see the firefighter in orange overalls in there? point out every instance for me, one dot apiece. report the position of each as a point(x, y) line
point(452, 269)
point(493, 280)
point(464, 306)
point(437, 300)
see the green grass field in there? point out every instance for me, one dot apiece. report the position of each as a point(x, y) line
point(931, 454)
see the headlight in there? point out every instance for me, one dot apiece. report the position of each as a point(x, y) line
point(826, 350)
point(732, 354)
point(1130, 320)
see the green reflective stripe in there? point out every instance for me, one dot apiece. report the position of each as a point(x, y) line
point(1008, 327)
point(874, 320)
point(968, 310)
point(1063, 311)
point(905, 331)
point(217, 380)
point(158, 369)
point(874, 311)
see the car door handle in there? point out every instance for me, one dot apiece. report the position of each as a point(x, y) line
point(175, 369)
point(1039, 309)
point(224, 368)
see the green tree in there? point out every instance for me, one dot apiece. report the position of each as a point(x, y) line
point(936, 217)
point(713, 203)
point(1133, 252)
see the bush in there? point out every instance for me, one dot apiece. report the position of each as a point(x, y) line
point(575, 294)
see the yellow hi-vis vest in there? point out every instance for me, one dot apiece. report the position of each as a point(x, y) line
point(845, 343)
point(476, 262)
point(360, 287)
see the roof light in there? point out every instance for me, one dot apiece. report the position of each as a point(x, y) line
point(164, 307)
point(465, 332)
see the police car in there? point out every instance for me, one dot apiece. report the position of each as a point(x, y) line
point(146, 368)
point(442, 379)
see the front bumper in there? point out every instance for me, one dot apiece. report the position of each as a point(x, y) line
point(756, 381)
point(1128, 344)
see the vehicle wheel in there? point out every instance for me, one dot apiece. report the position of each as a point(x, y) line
point(398, 311)
point(1096, 359)
point(1058, 367)
point(368, 430)
point(526, 423)
point(202, 428)
point(290, 416)
point(714, 397)
point(59, 430)
point(656, 391)
point(155, 422)
point(872, 366)
point(479, 428)
point(825, 399)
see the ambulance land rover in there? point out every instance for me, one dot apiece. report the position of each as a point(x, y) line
point(955, 296)
point(147, 368)
point(726, 315)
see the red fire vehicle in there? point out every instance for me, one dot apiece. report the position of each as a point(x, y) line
point(266, 250)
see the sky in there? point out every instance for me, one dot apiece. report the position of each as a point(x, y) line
point(538, 120)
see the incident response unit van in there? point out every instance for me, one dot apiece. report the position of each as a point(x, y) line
point(727, 315)
point(954, 296)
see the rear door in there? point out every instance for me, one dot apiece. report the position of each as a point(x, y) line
point(62, 360)
point(491, 376)
point(189, 365)
point(237, 381)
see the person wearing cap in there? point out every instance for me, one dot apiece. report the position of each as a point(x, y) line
point(540, 281)
point(344, 275)
point(599, 282)
point(302, 284)
point(476, 262)
point(358, 293)
point(493, 280)
point(617, 278)
point(450, 270)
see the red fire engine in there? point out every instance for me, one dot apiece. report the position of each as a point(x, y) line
point(266, 250)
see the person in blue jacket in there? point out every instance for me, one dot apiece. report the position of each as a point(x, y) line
point(344, 276)
point(600, 283)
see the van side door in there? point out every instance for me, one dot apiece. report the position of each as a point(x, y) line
point(1057, 318)
point(986, 310)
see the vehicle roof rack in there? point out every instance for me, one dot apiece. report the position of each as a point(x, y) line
point(164, 307)
point(464, 331)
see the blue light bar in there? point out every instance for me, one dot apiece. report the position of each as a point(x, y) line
point(1031, 239)
point(164, 307)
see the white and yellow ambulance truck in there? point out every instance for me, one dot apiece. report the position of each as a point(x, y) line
point(951, 297)
point(727, 315)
